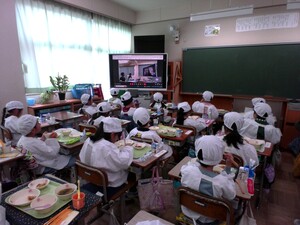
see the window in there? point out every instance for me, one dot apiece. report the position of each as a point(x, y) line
point(55, 38)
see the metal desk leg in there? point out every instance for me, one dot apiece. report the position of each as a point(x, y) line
point(260, 196)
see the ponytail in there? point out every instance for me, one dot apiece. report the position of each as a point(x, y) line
point(180, 116)
point(233, 137)
point(99, 133)
point(3, 116)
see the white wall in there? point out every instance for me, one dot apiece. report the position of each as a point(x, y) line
point(12, 82)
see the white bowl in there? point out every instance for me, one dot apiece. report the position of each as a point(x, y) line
point(47, 200)
point(23, 197)
point(39, 183)
point(65, 191)
point(66, 132)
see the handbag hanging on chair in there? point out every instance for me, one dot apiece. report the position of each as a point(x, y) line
point(247, 217)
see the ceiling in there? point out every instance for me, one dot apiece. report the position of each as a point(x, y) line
point(145, 5)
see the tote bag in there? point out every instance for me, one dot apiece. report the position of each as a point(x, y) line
point(247, 218)
point(155, 193)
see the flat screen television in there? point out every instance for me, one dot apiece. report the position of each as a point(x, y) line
point(139, 71)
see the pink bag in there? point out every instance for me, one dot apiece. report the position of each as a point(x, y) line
point(156, 193)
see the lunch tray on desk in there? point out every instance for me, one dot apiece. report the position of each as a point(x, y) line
point(47, 190)
point(138, 153)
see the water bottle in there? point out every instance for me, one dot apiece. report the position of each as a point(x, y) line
point(153, 147)
point(250, 182)
point(83, 136)
point(228, 166)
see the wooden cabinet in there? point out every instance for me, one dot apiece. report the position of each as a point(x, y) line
point(292, 116)
point(65, 105)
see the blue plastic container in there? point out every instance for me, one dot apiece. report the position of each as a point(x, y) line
point(30, 101)
point(80, 89)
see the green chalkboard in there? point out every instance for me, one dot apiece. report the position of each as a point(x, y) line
point(243, 70)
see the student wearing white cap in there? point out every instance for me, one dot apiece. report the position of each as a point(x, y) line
point(250, 114)
point(210, 111)
point(259, 128)
point(233, 122)
point(100, 151)
point(114, 100)
point(88, 107)
point(199, 175)
point(45, 150)
point(128, 110)
point(104, 109)
point(11, 114)
point(184, 110)
point(158, 104)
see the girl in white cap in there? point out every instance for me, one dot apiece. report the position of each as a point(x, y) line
point(233, 122)
point(184, 110)
point(128, 110)
point(199, 175)
point(88, 107)
point(45, 150)
point(104, 110)
point(114, 100)
point(100, 151)
point(210, 111)
point(259, 128)
point(158, 104)
point(11, 114)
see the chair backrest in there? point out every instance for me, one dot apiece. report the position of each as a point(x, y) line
point(139, 139)
point(196, 114)
point(205, 205)
point(88, 128)
point(93, 175)
point(6, 134)
point(237, 159)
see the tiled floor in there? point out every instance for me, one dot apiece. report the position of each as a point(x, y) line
point(280, 207)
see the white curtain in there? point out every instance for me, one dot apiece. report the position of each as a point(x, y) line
point(55, 38)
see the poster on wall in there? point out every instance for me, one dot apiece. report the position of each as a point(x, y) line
point(212, 30)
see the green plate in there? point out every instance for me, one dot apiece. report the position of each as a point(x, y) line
point(138, 153)
point(47, 190)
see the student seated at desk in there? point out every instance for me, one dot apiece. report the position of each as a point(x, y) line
point(88, 107)
point(128, 110)
point(114, 100)
point(249, 113)
point(100, 151)
point(184, 110)
point(142, 118)
point(158, 105)
point(210, 111)
point(11, 114)
point(199, 175)
point(235, 144)
point(198, 107)
point(104, 109)
point(45, 150)
point(259, 127)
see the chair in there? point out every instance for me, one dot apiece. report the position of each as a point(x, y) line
point(237, 159)
point(139, 139)
point(99, 178)
point(208, 206)
point(6, 134)
point(88, 128)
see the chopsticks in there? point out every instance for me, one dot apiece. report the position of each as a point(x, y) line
point(64, 212)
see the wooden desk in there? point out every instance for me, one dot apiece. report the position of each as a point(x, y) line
point(177, 141)
point(148, 162)
point(17, 217)
point(143, 215)
point(174, 173)
point(64, 117)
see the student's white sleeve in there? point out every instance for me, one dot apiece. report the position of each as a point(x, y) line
point(122, 157)
point(272, 134)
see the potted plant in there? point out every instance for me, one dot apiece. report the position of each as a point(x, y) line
point(46, 96)
point(60, 84)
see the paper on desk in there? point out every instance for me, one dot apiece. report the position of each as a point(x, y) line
point(148, 222)
point(69, 218)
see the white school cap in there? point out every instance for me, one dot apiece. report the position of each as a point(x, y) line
point(198, 107)
point(257, 100)
point(263, 109)
point(85, 98)
point(158, 97)
point(212, 149)
point(185, 106)
point(104, 107)
point(112, 125)
point(114, 91)
point(232, 118)
point(207, 96)
point(141, 115)
point(26, 123)
point(14, 105)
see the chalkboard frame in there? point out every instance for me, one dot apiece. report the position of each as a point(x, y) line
point(268, 69)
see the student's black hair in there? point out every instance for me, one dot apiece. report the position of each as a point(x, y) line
point(3, 116)
point(101, 134)
point(180, 116)
point(163, 105)
point(233, 137)
point(200, 157)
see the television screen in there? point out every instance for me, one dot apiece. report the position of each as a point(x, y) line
point(139, 71)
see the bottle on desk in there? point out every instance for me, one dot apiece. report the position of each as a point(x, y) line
point(83, 136)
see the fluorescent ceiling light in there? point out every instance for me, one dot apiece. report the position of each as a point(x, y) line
point(293, 5)
point(239, 11)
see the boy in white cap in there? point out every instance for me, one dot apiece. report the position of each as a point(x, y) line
point(114, 100)
point(128, 110)
point(184, 110)
point(100, 151)
point(158, 104)
point(88, 107)
point(259, 128)
point(199, 175)
point(104, 109)
point(11, 114)
point(210, 111)
point(45, 150)
point(233, 122)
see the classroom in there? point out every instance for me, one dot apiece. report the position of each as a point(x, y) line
point(182, 39)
